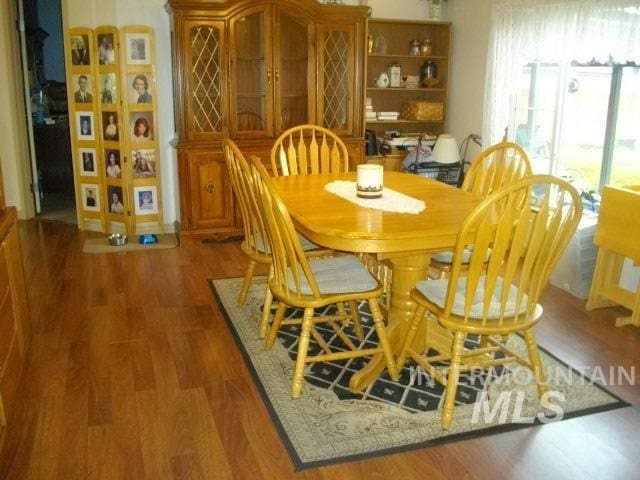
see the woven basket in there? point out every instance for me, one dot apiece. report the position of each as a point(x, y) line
point(426, 111)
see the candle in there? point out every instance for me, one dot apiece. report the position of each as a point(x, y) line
point(369, 183)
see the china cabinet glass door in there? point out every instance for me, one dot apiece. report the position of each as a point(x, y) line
point(336, 78)
point(294, 73)
point(204, 102)
point(252, 75)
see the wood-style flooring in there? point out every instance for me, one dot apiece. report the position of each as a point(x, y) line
point(133, 374)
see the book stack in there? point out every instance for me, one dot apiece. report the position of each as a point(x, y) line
point(369, 113)
point(388, 115)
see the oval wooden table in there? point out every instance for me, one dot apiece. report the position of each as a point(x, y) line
point(405, 240)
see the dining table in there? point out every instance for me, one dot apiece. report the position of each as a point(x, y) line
point(405, 241)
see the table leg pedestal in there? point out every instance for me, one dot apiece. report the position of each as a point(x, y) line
point(407, 271)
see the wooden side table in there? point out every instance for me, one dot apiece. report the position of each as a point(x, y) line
point(618, 237)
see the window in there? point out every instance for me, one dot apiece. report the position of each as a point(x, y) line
point(580, 121)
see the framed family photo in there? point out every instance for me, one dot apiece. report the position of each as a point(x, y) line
point(80, 54)
point(85, 126)
point(87, 158)
point(90, 197)
point(138, 48)
point(146, 200)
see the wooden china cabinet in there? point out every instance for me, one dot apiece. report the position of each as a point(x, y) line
point(248, 70)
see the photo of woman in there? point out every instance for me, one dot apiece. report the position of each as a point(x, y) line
point(110, 121)
point(141, 127)
point(139, 91)
point(114, 194)
point(113, 163)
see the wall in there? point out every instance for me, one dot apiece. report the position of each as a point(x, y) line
point(14, 150)
point(471, 22)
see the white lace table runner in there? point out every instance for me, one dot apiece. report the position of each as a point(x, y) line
point(391, 201)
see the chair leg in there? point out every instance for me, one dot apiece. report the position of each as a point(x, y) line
point(275, 325)
point(452, 380)
point(534, 358)
point(378, 323)
point(357, 322)
point(303, 347)
point(247, 282)
point(266, 312)
point(410, 336)
point(266, 307)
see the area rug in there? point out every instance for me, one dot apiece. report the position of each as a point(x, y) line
point(101, 245)
point(329, 424)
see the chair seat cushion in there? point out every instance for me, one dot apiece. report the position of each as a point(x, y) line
point(334, 275)
point(307, 245)
point(447, 257)
point(436, 291)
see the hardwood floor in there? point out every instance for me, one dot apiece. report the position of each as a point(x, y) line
point(133, 374)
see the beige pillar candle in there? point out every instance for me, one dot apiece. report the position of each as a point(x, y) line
point(369, 181)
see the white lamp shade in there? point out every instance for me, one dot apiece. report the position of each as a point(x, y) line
point(445, 150)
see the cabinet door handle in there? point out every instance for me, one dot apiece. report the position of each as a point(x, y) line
point(268, 75)
point(210, 187)
point(277, 75)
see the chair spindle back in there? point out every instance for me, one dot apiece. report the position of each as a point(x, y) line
point(308, 149)
point(527, 225)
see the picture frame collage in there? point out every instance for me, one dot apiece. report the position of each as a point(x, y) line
point(111, 73)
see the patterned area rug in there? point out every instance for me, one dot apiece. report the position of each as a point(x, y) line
point(330, 424)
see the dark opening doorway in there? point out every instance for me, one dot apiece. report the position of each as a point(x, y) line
point(53, 183)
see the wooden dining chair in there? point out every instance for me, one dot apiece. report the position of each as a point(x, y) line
point(304, 283)
point(256, 241)
point(494, 168)
point(526, 244)
point(307, 149)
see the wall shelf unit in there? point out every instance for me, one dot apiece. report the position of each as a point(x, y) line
point(398, 35)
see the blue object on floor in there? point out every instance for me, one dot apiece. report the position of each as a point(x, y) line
point(148, 239)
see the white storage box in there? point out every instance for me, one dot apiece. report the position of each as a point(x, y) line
point(576, 265)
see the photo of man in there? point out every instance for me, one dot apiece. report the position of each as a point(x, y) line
point(83, 94)
point(87, 158)
point(91, 197)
